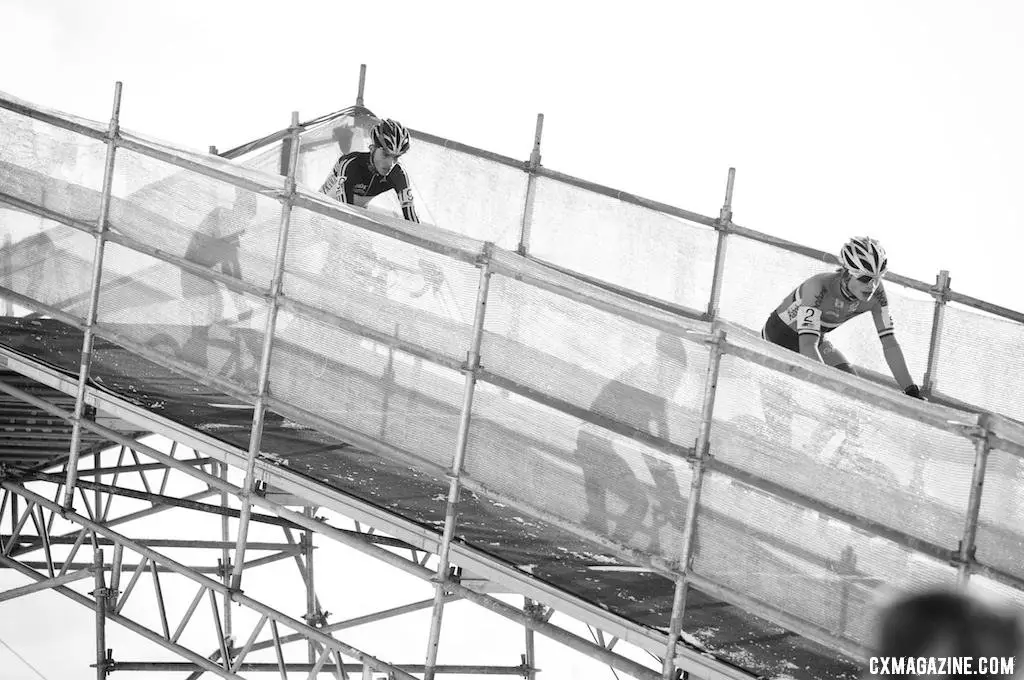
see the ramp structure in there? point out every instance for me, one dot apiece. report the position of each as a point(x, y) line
point(550, 389)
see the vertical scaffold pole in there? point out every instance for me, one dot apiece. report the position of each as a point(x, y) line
point(693, 503)
point(100, 593)
point(311, 608)
point(530, 659)
point(225, 556)
point(94, 294)
point(6, 266)
point(451, 510)
point(259, 411)
point(941, 294)
point(722, 224)
point(982, 446)
point(362, 85)
point(531, 189)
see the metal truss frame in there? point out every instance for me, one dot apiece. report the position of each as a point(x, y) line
point(409, 547)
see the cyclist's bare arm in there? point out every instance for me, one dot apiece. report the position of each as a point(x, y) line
point(890, 346)
point(808, 320)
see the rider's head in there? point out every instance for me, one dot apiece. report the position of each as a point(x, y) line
point(388, 140)
point(863, 263)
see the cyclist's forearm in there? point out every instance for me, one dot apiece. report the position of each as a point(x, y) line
point(897, 364)
point(809, 347)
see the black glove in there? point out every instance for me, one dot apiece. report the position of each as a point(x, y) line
point(913, 391)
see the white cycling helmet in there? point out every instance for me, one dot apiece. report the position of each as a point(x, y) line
point(864, 256)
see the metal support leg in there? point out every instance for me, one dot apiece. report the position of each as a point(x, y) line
point(100, 593)
point(531, 189)
point(966, 554)
point(722, 225)
point(668, 668)
point(6, 266)
point(225, 533)
point(530, 659)
point(94, 294)
point(472, 365)
point(268, 340)
point(941, 294)
point(311, 608)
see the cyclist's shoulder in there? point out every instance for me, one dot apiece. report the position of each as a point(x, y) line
point(353, 159)
point(398, 177)
point(814, 289)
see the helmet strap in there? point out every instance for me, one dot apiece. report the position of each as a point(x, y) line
point(844, 284)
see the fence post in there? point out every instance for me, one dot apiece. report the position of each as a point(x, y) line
point(690, 531)
point(941, 294)
point(362, 85)
point(259, 410)
point(722, 225)
point(982, 446)
point(94, 297)
point(531, 189)
point(471, 367)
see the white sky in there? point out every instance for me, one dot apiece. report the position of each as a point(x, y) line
point(897, 118)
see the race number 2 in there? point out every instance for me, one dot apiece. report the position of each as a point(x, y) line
point(808, 319)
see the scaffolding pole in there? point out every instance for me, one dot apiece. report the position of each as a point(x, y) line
point(94, 296)
point(722, 225)
point(941, 294)
point(362, 84)
point(225, 555)
point(675, 627)
point(530, 658)
point(312, 617)
point(454, 490)
point(259, 411)
point(100, 593)
point(982, 447)
point(531, 189)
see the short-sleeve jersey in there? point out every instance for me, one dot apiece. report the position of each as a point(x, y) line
point(354, 180)
point(819, 305)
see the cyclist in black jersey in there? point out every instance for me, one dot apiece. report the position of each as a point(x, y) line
point(360, 175)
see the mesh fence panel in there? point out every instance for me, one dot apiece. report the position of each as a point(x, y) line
point(389, 286)
point(385, 394)
point(1000, 538)
point(610, 484)
point(209, 222)
point(997, 592)
point(769, 549)
point(46, 261)
point(467, 194)
point(656, 254)
point(50, 167)
point(847, 453)
point(778, 273)
point(980, 360)
point(576, 353)
point(182, 316)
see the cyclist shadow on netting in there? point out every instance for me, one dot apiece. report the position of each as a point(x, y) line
point(215, 245)
point(607, 472)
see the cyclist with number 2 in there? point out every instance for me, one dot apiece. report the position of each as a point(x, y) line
point(824, 302)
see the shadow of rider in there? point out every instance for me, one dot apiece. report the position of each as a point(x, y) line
point(607, 472)
point(214, 245)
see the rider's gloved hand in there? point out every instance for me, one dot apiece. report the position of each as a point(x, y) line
point(913, 391)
